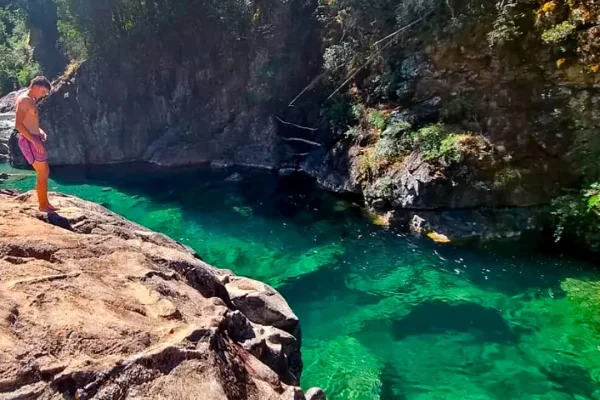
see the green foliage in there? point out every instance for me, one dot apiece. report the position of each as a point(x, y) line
point(506, 27)
point(28, 72)
point(339, 113)
point(458, 107)
point(358, 110)
point(378, 120)
point(16, 62)
point(586, 153)
point(353, 133)
point(450, 148)
point(337, 56)
point(578, 213)
point(393, 141)
point(383, 188)
point(436, 143)
point(559, 32)
point(72, 40)
point(397, 129)
point(99, 26)
point(433, 141)
point(507, 176)
point(367, 165)
point(387, 148)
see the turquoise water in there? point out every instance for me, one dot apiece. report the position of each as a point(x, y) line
point(384, 316)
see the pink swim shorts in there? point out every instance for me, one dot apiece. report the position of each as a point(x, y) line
point(30, 152)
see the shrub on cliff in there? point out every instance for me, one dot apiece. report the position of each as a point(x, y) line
point(16, 63)
point(578, 213)
point(88, 25)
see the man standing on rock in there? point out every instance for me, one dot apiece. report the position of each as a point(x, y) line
point(32, 137)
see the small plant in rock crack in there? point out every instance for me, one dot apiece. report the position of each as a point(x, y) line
point(378, 120)
point(393, 142)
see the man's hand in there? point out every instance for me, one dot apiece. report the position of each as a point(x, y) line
point(38, 147)
point(43, 135)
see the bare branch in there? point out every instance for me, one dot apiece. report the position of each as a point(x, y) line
point(293, 139)
point(374, 54)
point(397, 32)
point(310, 86)
point(296, 126)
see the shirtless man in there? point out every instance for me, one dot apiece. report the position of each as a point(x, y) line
point(32, 137)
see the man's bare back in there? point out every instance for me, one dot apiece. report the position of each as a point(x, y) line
point(32, 137)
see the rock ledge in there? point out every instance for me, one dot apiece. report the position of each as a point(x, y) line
point(93, 306)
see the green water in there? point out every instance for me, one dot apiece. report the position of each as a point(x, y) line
point(384, 316)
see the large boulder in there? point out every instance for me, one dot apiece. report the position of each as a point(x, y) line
point(93, 306)
point(7, 127)
point(207, 93)
point(7, 103)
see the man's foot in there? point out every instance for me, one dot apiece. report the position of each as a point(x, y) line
point(48, 208)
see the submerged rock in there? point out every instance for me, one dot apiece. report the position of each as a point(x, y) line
point(93, 306)
point(235, 177)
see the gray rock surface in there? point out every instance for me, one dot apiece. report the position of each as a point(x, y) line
point(7, 124)
point(315, 394)
point(93, 306)
point(7, 103)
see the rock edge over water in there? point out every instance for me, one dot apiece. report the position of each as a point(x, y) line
point(93, 306)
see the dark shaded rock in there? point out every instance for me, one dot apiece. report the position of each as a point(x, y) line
point(170, 104)
point(315, 394)
point(333, 169)
point(277, 349)
point(486, 224)
point(17, 159)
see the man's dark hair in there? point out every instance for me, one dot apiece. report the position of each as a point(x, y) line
point(41, 81)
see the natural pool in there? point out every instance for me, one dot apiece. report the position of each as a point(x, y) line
point(384, 316)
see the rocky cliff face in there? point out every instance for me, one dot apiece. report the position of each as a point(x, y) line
point(517, 108)
point(196, 94)
point(95, 307)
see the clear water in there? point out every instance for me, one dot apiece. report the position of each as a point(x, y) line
point(384, 316)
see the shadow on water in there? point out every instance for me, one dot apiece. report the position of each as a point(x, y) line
point(269, 194)
point(432, 317)
point(392, 387)
point(570, 379)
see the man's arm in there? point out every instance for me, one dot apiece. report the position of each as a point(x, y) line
point(24, 106)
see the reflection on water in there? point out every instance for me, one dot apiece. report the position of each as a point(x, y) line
point(384, 316)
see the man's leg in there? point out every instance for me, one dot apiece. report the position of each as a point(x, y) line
point(41, 186)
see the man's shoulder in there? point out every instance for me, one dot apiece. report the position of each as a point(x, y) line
point(24, 100)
